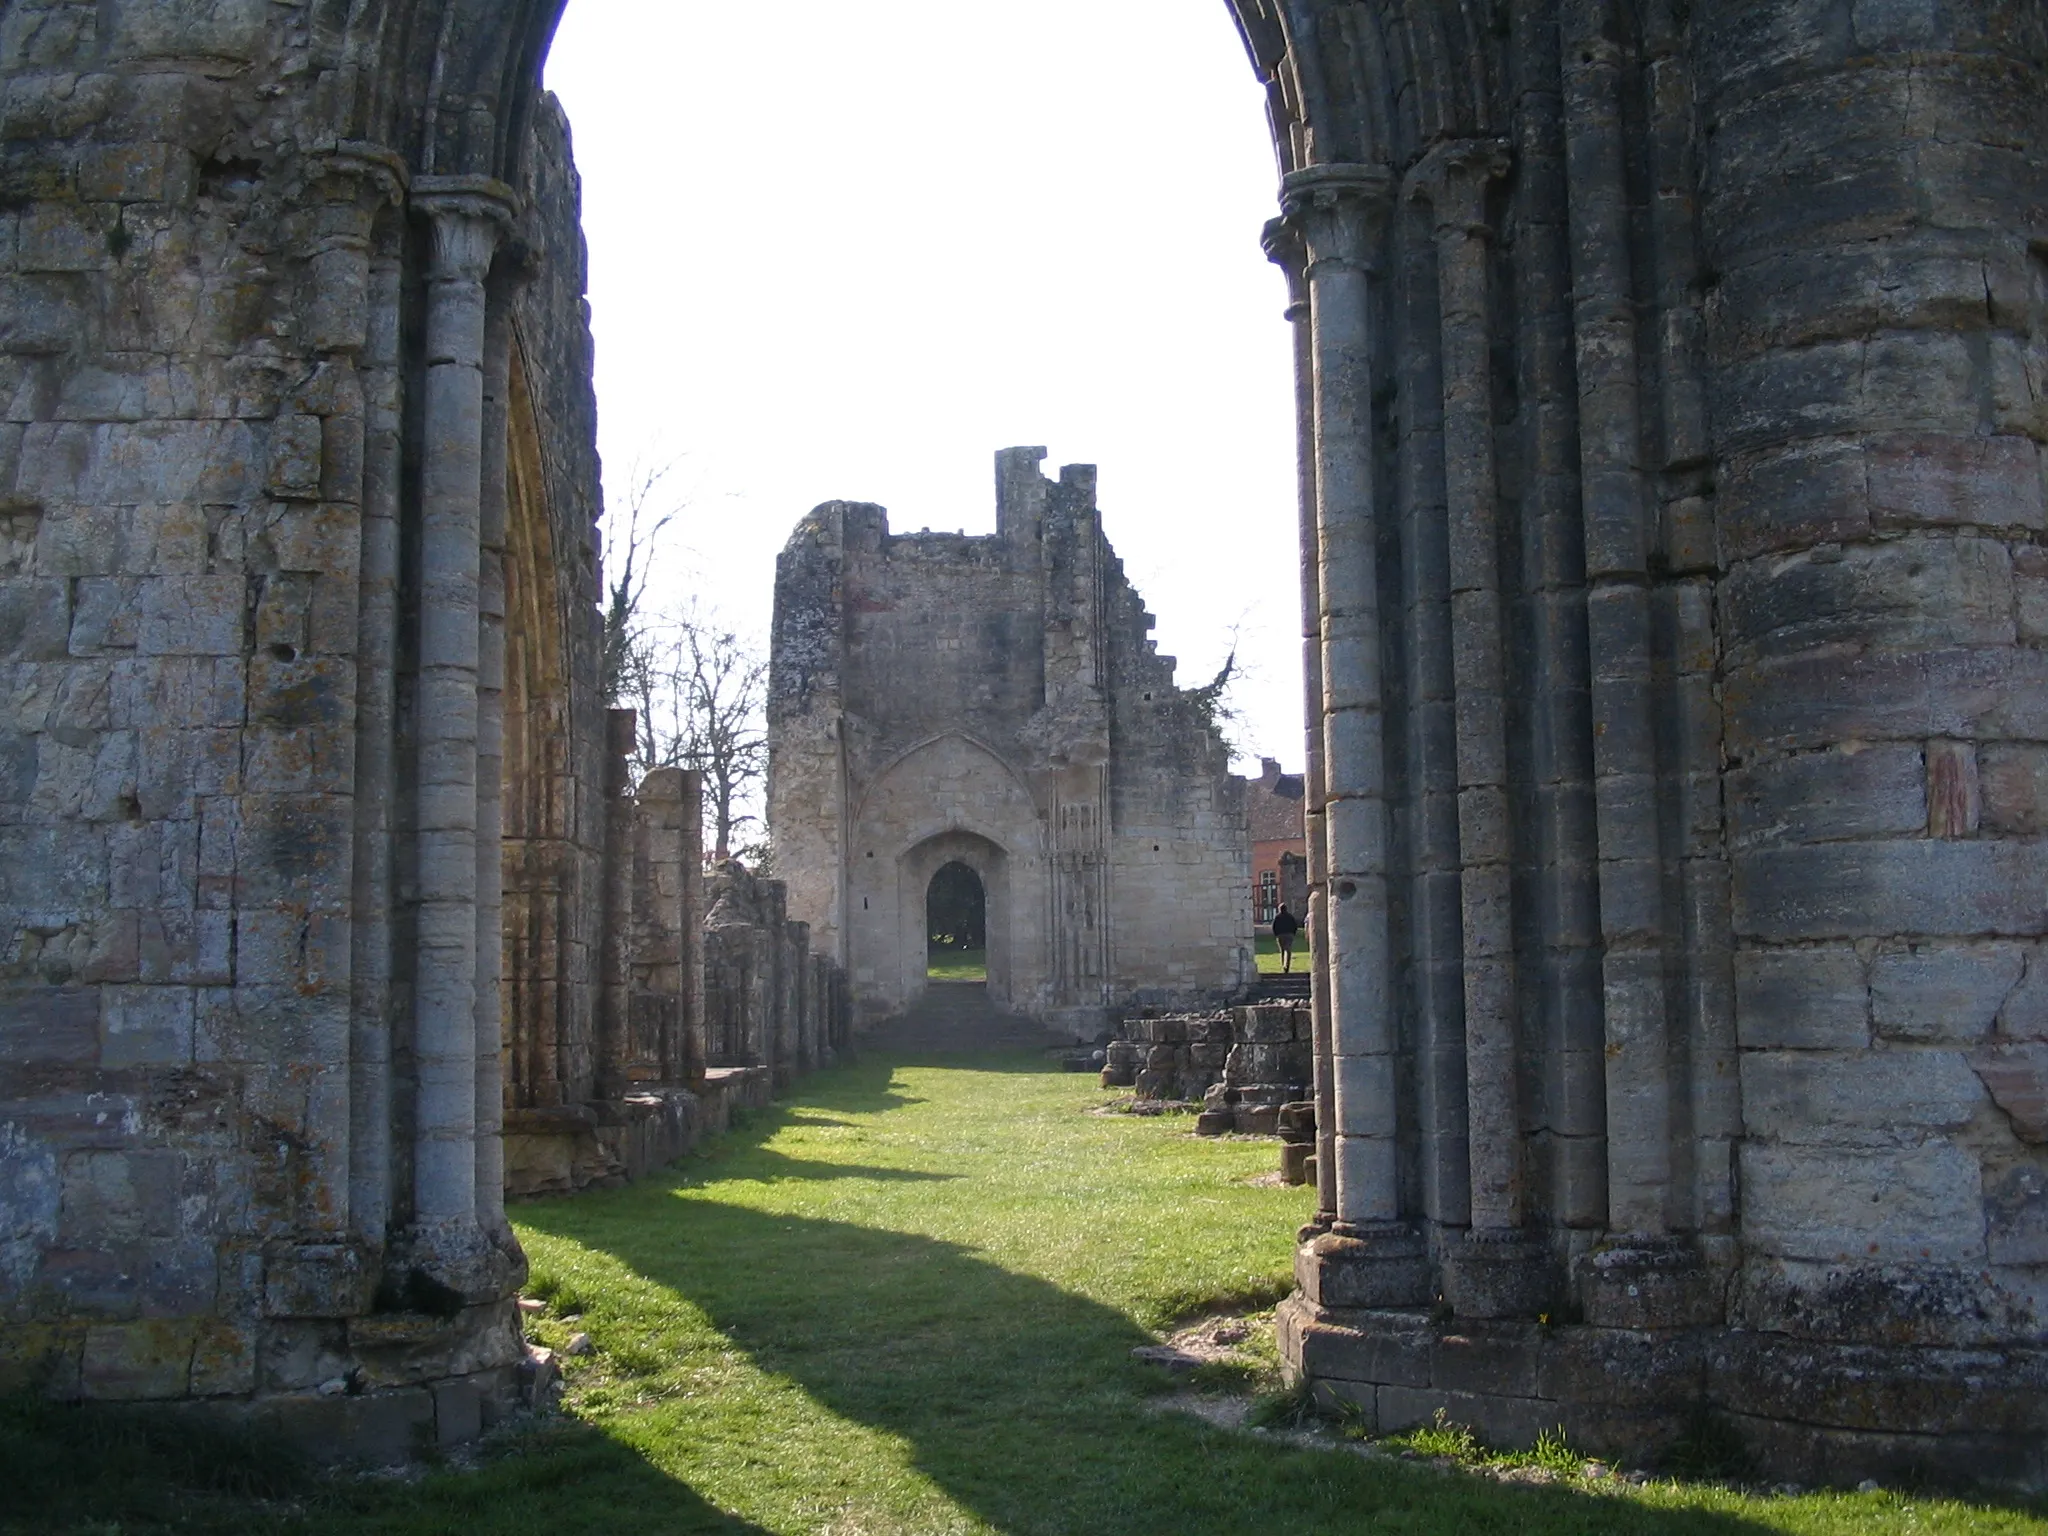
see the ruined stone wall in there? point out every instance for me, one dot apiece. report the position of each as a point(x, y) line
point(771, 1005)
point(1180, 882)
point(997, 701)
point(1670, 380)
point(305, 810)
point(1240, 1064)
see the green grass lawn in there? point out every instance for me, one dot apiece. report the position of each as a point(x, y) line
point(905, 1302)
point(958, 965)
point(1268, 954)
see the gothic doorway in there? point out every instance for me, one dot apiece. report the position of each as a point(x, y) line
point(956, 885)
point(956, 926)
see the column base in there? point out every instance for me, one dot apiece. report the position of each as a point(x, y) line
point(1807, 1411)
point(1647, 1283)
point(1491, 1273)
point(443, 1267)
point(1358, 1266)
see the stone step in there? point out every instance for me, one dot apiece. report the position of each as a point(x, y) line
point(1292, 987)
point(954, 1018)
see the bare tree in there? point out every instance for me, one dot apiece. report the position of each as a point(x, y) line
point(702, 689)
point(631, 533)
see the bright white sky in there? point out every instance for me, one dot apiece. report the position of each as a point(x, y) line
point(849, 251)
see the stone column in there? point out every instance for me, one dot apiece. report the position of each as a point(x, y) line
point(1562, 839)
point(465, 217)
point(1436, 942)
point(1284, 248)
point(1369, 1256)
point(356, 317)
point(685, 1056)
point(490, 766)
point(615, 950)
point(1617, 545)
point(1496, 1273)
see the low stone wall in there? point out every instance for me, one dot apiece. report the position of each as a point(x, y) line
point(599, 1146)
point(1240, 1064)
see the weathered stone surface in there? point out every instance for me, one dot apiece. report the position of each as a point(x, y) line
point(1804, 999)
point(1855, 1202)
point(2016, 1077)
point(1942, 992)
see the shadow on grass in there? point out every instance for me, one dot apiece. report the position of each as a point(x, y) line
point(112, 1471)
point(766, 1166)
point(1019, 1399)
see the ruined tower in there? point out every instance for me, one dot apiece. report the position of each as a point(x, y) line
point(997, 701)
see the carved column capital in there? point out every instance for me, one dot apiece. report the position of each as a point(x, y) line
point(1453, 178)
point(1340, 211)
point(342, 188)
point(1283, 245)
point(467, 216)
point(351, 171)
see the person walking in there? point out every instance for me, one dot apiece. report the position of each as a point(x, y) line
point(1285, 926)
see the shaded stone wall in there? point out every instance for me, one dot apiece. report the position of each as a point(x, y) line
point(997, 701)
point(769, 1002)
point(316, 862)
point(1670, 387)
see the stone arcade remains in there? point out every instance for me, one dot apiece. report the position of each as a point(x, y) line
point(998, 702)
point(330, 916)
point(1672, 386)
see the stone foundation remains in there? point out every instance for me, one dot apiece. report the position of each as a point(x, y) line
point(1240, 1064)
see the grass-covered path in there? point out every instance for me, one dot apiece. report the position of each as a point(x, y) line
point(905, 1301)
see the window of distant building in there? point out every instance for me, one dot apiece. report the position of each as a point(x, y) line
point(1269, 895)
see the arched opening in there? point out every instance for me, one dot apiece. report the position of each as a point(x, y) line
point(956, 926)
point(944, 882)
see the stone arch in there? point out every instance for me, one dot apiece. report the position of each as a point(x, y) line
point(948, 796)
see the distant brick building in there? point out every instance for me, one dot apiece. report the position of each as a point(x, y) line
point(1273, 803)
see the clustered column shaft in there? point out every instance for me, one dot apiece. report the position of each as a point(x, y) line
point(1284, 248)
point(1632, 918)
point(490, 770)
point(370, 1098)
point(464, 223)
point(1455, 177)
point(1341, 210)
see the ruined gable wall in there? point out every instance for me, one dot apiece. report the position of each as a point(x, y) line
point(1180, 849)
point(942, 633)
